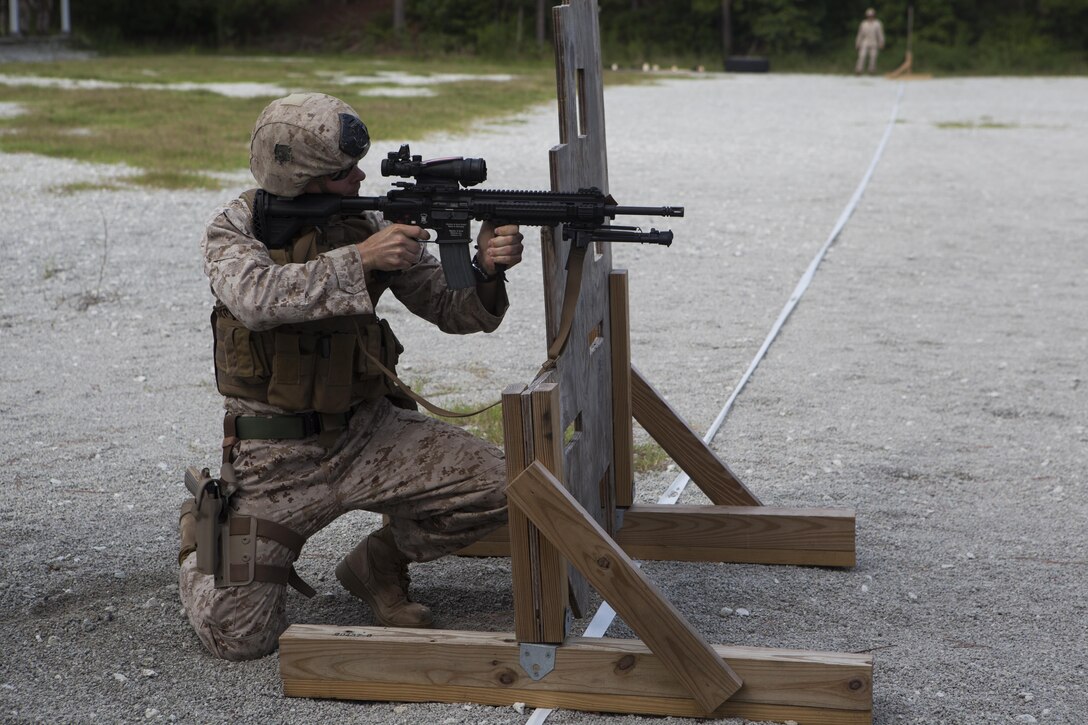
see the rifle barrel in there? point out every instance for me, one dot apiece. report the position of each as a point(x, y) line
point(648, 210)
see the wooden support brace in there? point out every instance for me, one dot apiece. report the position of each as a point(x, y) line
point(623, 585)
point(623, 445)
point(688, 450)
point(726, 534)
point(538, 571)
point(604, 675)
point(739, 534)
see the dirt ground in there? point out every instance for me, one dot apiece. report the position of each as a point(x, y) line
point(933, 379)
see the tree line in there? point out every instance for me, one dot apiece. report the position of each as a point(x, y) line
point(953, 35)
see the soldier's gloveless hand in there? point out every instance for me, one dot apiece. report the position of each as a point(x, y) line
point(396, 247)
point(499, 245)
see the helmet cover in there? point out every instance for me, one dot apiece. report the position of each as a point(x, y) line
point(302, 137)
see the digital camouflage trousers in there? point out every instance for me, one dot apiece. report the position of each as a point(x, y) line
point(440, 486)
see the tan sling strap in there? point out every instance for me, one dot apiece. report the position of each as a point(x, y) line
point(575, 265)
point(404, 388)
point(570, 303)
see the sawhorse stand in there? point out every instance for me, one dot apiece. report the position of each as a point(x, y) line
point(573, 523)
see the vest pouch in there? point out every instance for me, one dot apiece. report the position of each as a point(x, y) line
point(238, 354)
point(370, 345)
point(391, 347)
point(335, 373)
point(291, 387)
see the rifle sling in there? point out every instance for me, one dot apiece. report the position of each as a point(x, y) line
point(571, 290)
point(403, 387)
point(575, 265)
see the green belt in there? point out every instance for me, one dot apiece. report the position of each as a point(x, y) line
point(288, 427)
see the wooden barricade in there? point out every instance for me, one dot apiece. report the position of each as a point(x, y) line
point(574, 524)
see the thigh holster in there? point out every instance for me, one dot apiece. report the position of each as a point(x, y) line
point(226, 541)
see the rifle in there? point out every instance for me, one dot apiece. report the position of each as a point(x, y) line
point(437, 201)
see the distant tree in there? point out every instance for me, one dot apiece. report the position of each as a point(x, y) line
point(727, 28)
point(400, 13)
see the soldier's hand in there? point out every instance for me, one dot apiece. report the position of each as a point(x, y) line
point(398, 246)
point(501, 245)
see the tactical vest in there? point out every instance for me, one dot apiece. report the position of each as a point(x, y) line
point(322, 365)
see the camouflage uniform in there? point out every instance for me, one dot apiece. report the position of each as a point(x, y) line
point(869, 40)
point(440, 486)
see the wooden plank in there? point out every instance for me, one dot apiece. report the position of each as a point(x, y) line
point(623, 443)
point(748, 534)
point(688, 450)
point(552, 585)
point(609, 675)
point(521, 534)
point(728, 534)
point(726, 555)
point(583, 371)
point(623, 585)
point(494, 544)
point(768, 527)
point(537, 569)
point(547, 428)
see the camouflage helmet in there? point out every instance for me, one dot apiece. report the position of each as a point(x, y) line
point(302, 137)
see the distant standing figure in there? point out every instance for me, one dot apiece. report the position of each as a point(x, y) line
point(869, 41)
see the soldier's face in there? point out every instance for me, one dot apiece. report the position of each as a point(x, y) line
point(345, 185)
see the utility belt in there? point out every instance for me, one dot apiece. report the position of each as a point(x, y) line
point(225, 542)
point(289, 426)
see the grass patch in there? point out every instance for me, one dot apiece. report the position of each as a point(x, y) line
point(176, 136)
point(985, 123)
point(78, 186)
point(649, 457)
point(486, 425)
point(176, 180)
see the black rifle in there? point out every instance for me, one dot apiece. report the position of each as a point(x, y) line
point(437, 201)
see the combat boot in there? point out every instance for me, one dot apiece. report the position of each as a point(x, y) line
point(377, 572)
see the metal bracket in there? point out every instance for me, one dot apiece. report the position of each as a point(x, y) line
point(537, 660)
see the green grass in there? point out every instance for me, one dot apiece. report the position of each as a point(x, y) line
point(984, 123)
point(649, 457)
point(176, 138)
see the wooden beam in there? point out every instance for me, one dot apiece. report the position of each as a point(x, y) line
point(538, 572)
point(727, 534)
point(739, 534)
point(623, 444)
point(686, 448)
point(623, 585)
point(607, 675)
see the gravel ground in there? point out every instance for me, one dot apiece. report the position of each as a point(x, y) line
point(933, 378)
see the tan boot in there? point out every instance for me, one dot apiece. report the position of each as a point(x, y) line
point(377, 572)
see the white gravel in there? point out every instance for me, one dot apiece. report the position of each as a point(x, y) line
point(933, 378)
